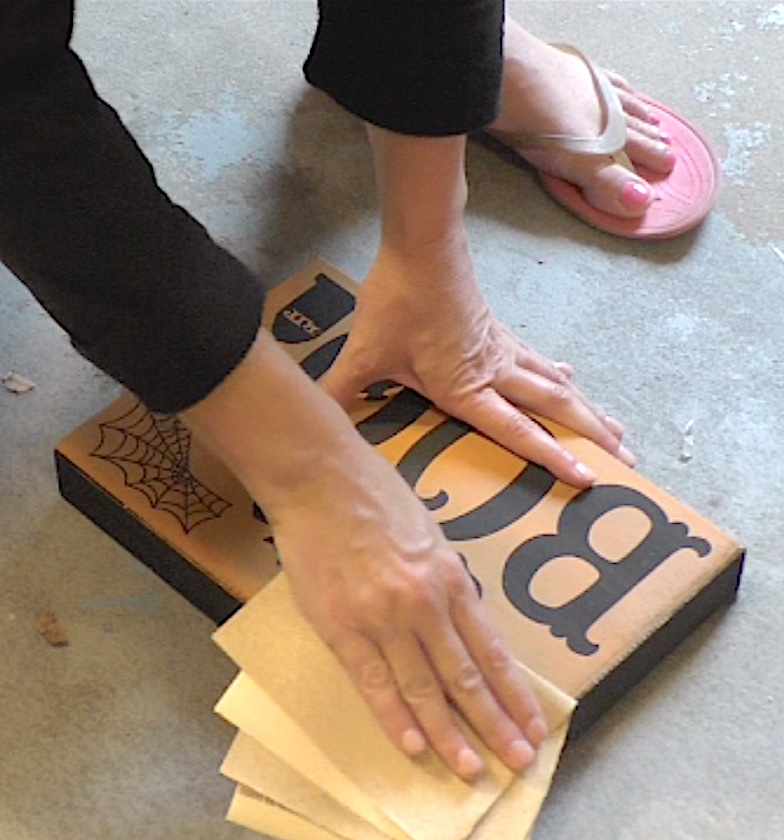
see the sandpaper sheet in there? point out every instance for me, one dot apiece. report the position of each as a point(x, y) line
point(250, 709)
point(276, 704)
point(253, 766)
point(274, 799)
point(259, 814)
point(278, 649)
point(514, 815)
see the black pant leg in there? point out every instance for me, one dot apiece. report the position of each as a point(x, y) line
point(137, 283)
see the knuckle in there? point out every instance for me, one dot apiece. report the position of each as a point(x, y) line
point(519, 425)
point(499, 660)
point(374, 675)
point(468, 680)
point(419, 688)
point(420, 592)
point(455, 577)
point(374, 606)
point(559, 394)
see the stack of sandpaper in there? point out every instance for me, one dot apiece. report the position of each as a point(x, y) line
point(310, 761)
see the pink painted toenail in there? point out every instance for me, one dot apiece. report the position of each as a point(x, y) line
point(635, 195)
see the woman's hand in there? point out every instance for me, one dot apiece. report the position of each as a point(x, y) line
point(369, 567)
point(421, 321)
point(372, 572)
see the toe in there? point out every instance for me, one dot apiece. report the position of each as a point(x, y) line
point(650, 149)
point(616, 190)
point(636, 107)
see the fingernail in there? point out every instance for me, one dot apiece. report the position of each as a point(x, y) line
point(469, 764)
point(626, 457)
point(520, 755)
point(537, 731)
point(413, 742)
point(665, 137)
point(635, 195)
point(587, 474)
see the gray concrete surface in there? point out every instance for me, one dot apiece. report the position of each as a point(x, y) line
point(113, 737)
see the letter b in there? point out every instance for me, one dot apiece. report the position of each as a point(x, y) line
point(573, 620)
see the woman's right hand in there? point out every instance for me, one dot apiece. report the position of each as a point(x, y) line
point(372, 572)
point(369, 567)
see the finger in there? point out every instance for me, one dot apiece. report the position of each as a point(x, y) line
point(505, 678)
point(564, 372)
point(376, 682)
point(505, 423)
point(563, 403)
point(421, 688)
point(554, 381)
point(529, 359)
point(487, 688)
point(556, 372)
point(565, 368)
point(612, 424)
point(561, 373)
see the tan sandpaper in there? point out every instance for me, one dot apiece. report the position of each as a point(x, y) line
point(514, 815)
point(250, 709)
point(270, 639)
point(247, 707)
point(254, 812)
point(278, 649)
point(253, 766)
point(511, 818)
point(256, 768)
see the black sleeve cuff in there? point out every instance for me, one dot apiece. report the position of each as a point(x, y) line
point(421, 67)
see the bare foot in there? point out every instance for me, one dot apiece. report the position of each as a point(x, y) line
point(546, 90)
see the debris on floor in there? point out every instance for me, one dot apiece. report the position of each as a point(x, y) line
point(687, 443)
point(16, 383)
point(49, 627)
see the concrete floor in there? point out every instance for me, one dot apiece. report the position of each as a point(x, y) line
point(113, 737)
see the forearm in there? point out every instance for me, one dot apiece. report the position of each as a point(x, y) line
point(421, 187)
point(276, 430)
point(136, 282)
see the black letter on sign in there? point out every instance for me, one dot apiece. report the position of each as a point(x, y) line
point(511, 503)
point(320, 360)
point(573, 620)
point(400, 412)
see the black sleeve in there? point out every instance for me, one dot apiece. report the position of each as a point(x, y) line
point(137, 283)
point(422, 67)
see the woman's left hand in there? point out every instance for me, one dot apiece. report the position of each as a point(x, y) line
point(421, 321)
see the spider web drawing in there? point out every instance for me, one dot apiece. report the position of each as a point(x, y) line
point(153, 452)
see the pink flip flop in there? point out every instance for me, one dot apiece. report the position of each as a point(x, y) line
point(683, 197)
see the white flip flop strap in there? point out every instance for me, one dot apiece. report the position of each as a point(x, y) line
point(612, 139)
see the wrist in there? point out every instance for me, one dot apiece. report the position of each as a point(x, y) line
point(422, 187)
point(274, 428)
